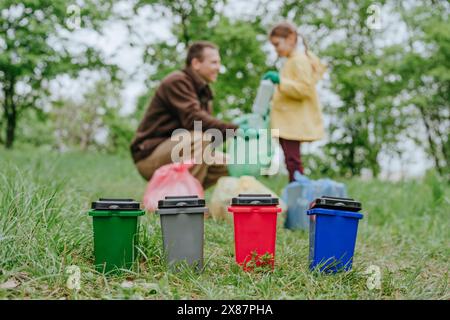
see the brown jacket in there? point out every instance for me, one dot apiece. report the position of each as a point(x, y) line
point(182, 98)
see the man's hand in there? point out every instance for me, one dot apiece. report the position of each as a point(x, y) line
point(246, 132)
point(240, 121)
point(272, 76)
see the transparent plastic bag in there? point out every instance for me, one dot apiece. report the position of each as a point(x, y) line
point(229, 187)
point(299, 194)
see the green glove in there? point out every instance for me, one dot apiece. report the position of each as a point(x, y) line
point(272, 76)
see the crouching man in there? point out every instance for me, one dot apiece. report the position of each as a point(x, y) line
point(183, 97)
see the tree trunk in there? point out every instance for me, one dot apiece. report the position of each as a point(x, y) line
point(184, 16)
point(1, 126)
point(10, 128)
point(441, 136)
point(186, 37)
point(430, 140)
point(10, 113)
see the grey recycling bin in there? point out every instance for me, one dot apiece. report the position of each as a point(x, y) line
point(182, 226)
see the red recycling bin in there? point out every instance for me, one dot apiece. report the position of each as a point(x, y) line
point(255, 225)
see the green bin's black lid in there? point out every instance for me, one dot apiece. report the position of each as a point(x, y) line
point(115, 204)
point(181, 202)
point(326, 202)
point(254, 200)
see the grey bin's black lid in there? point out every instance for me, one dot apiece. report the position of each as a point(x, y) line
point(115, 204)
point(254, 200)
point(181, 202)
point(326, 202)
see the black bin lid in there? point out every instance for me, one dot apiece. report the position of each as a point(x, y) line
point(254, 200)
point(181, 202)
point(116, 204)
point(326, 202)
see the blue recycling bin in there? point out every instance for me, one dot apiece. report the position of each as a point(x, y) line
point(332, 239)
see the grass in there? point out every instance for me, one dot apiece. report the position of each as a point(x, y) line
point(44, 228)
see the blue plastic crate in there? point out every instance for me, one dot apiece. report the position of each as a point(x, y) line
point(299, 194)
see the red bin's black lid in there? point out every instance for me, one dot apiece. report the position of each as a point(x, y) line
point(181, 202)
point(115, 204)
point(254, 200)
point(345, 204)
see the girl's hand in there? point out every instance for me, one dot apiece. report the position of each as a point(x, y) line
point(272, 76)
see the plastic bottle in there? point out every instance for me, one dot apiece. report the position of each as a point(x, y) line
point(263, 96)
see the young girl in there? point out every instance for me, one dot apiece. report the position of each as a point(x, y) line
point(295, 106)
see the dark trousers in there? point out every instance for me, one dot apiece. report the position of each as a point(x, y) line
point(291, 150)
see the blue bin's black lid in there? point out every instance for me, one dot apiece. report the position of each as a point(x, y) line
point(181, 202)
point(254, 200)
point(326, 202)
point(111, 204)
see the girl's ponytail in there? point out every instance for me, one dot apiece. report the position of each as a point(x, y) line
point(305, 44)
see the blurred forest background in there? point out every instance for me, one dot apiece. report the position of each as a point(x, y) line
point(64, 85)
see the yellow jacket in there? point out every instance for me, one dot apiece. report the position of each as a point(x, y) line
point(296, 110)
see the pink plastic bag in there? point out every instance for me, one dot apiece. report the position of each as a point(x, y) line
point(172, 179)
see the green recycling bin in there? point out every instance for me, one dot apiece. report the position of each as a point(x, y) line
point(115, 223)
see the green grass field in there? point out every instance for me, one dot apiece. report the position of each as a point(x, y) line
point(44, 227)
